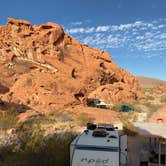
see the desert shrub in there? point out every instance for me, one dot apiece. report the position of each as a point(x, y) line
point(148, 90)
point(34, 148)
point(129, 129)
point(61, 116)
point(64, 117)
point(163, 99)
point(84, 119)
point(116, 107)
point(39, 121)
point(154, 107)
point(39, 150)
point(128, 116)
point(8, 120)
point(150, 98)
point(148, 104)
point(33, 124)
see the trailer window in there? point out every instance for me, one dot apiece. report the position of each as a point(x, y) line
point(93, 148)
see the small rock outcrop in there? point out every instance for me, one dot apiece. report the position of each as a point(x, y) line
point(161, 86)
point(159, 116)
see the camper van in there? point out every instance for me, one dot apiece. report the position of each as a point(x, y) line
point(99, 145)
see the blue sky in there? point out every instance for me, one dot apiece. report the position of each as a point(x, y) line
point(132, 31)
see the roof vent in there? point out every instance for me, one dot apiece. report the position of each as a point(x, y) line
point(99, 133)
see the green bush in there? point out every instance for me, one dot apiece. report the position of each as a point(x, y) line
point(39, 150)
point(33, 147)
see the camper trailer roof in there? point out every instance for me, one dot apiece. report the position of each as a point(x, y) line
point(87, 139)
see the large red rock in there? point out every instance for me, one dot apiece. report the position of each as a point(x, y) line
point(42, 65)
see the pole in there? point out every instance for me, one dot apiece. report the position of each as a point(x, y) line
point(159, 154)
point(165, 150)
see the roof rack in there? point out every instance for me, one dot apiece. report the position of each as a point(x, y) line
point(108, 127)
point(100, 133)
point(91, 126)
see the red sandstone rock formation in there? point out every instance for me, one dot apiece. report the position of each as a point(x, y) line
point(159, 116)
point(161, 86)
point(42, 65)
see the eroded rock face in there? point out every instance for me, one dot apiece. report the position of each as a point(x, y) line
point(3, 89)
point(161, 86)
point(159, 116)
point(42, 65)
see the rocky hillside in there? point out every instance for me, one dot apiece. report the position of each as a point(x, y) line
point(43, 66)
point(159, 115)
point(146, 82)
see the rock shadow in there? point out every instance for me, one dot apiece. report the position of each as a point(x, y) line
point(11, 106)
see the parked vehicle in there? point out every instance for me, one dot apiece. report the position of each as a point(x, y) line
point(94, 102)
point(99, 145)
point(126, 108)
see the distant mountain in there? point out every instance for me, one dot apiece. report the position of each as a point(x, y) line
point(147, 82)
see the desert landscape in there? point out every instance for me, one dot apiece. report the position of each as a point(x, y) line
point(46, 78)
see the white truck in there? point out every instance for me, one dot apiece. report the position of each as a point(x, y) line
point(99, 145)
point(94, 102)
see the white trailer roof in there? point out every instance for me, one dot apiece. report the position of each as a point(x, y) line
point(89, 140)
point(151, 129)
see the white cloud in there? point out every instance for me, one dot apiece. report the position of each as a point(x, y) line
point(125, 26)
point(145, 37)
point(163, 36)
point(161, 26)
point(76, 23)
point(143, 28)
point(112, 28)
point(154, 28)
point(148, 34)
point(140, 37)
point(102, 28)
point(75, 30)
point(80, 30)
